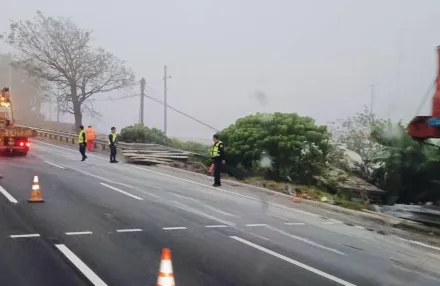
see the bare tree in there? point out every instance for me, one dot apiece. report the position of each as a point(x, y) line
point(60, 53)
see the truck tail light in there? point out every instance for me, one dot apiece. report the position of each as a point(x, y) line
point(21, 144)
point(28, 144)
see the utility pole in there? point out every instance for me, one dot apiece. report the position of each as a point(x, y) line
point(165, 105)
point(50, 109)
point(141, 108)
point(10, 77)
point(371, 99)
point(58, 102)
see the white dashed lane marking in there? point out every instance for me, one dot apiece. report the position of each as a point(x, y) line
point(294, 223)
point(129, 230)
point(8, 195)
point(24, 235)
point(256, 224)
point(174, 228)
point(216, 226)
point(79, 233)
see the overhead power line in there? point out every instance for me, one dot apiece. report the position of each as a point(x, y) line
point(183, 113)
point(161, 102)
point(118, 98)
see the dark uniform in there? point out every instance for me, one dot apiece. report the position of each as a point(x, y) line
point(218, 156)
point(112, 145)
point(82, 141)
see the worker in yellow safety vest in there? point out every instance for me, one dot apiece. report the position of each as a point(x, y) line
point(218, 155)
point(82, 141)
point(112, 144)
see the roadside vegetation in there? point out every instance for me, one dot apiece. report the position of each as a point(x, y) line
point(289, 153)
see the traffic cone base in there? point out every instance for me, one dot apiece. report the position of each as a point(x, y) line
point(166, 276)
point(36, 194)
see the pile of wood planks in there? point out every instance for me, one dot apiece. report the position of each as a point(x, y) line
point(152, 154)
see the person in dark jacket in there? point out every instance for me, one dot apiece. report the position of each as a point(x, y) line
point(112, 144)
point(82, 141)
point(218, 155)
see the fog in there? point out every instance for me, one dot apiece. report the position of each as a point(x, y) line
point(230, 58)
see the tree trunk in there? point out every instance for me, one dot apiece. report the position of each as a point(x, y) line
point(76, 106)
point(78, 115)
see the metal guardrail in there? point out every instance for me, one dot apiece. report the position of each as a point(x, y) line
point(102, 144)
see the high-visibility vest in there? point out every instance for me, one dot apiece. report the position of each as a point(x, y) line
point(215, 151)
point(81, 137)
point(90, 134)
point(114, 138)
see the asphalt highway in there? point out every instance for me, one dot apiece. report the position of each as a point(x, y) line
point(106, 224)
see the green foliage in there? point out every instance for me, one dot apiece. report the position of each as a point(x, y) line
point(407, 170)
point(295, 145)
point(139, 133)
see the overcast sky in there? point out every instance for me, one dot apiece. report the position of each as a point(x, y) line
point(314, 57)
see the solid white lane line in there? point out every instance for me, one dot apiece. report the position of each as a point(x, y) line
point(24, 235)
point(129, 230)
point(55, 165)
point(294, 262)
point(194, 211)
point(219, 211)
point(174, 228)
point(216, 226)
point(306, 241)
point(158, 188)
point(294, 223)
point(122, 192)
point(65, 148)
point(147, 193)
point(256, 224)
point(420, 243)
point(85, 270)
point(79, 233)
point(331, 222)
point(184, 197)
point(8, 195)
point(102, 178)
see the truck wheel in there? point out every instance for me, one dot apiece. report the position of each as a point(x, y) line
point(22, 154)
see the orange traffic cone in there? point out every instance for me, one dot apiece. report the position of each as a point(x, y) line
point(166, 276)
point(36, 194)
